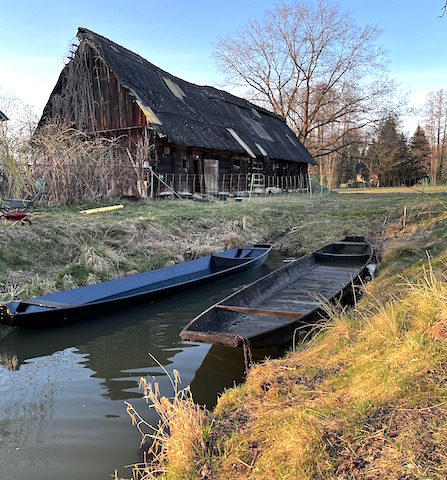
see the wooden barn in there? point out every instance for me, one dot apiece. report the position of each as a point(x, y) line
point(174, 136)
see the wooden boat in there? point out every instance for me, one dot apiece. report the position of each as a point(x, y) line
point(91, 301)
point(267, 312)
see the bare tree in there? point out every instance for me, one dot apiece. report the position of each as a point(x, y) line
point(312, 65)
point(436, 131)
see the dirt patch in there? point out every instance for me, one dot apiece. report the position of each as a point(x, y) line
point(391, 444)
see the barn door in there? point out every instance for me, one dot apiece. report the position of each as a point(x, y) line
point(211, 174)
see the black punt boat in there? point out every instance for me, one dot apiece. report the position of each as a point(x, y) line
point(91, 301)
point(267, 312)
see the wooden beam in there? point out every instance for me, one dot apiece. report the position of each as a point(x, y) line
point(257, 311)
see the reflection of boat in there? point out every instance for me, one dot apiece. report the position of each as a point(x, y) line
point(221, 368)
point(267, 312)
point(91, 301)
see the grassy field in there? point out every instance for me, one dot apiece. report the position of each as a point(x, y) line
point(364, 398)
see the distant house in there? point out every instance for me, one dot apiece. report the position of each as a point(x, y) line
point(3, 117)
point(198, 137)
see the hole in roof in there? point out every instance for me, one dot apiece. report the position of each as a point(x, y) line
point(291, 139)
point(175, 89)
point(261, 149)
point(255, 113)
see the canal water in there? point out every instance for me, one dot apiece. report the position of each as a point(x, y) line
point(62, 391)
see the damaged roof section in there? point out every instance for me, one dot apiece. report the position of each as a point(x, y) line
point(198, 116)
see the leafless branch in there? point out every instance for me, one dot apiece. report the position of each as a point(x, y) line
point(443, 10)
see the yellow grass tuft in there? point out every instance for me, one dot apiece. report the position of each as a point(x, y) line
point(177, 438)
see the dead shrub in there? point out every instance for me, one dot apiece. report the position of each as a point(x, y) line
point(75, 166)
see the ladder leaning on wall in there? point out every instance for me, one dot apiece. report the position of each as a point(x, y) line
point(257, 183)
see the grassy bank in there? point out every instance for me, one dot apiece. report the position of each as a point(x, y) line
point(365, 398)
point(63, 248)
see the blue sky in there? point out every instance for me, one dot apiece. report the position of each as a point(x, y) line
point(178, 36)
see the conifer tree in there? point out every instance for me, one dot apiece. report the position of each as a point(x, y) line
point(388, 154)
point(420, 155)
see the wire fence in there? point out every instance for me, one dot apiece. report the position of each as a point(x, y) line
point(73, 187)
point(223, 185)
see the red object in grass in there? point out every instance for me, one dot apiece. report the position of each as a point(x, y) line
point(15, 216)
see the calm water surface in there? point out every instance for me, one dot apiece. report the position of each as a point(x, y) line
point(62, 391)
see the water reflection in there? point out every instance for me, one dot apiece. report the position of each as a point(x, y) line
point(222, 368)
point(62, 390)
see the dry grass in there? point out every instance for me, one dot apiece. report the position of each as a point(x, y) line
point(66, 248)
point(175, 441)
